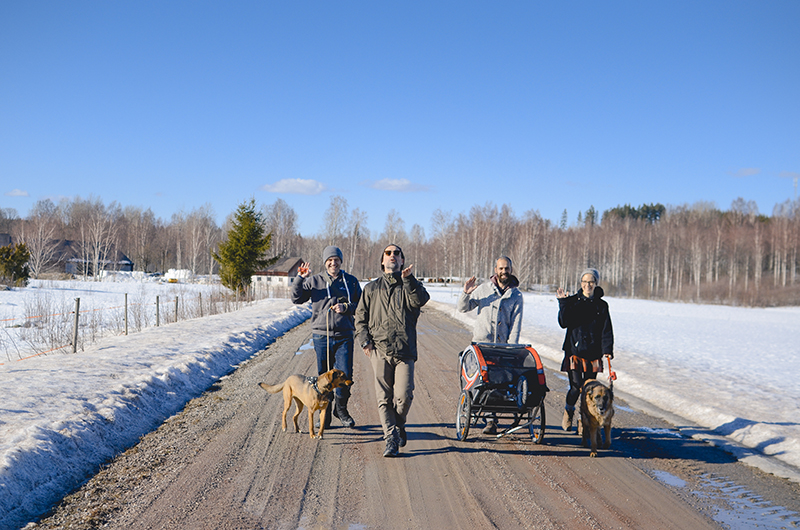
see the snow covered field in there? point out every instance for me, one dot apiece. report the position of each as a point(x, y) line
point(722, 373)
point(40, 317)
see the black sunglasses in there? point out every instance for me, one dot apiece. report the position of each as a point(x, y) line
point(390, 252)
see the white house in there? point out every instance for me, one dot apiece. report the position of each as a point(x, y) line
point(277, 278)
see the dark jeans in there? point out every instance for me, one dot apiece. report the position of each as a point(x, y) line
point(576, 381)
point(341, 357)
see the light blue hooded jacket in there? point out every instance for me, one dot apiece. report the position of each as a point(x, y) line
point(499, 314)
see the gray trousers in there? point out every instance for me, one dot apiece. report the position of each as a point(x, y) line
point(394, 388)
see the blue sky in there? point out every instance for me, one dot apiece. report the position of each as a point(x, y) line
point(411, 106)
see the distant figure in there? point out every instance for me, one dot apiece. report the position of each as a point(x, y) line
point(589, 337)
point(334, 296)
point(499, 302)
point(386, 329)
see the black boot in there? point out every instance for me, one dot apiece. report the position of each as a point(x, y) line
point(341, 412)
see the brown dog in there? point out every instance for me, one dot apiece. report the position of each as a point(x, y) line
point(314, 393)
point(597, 409)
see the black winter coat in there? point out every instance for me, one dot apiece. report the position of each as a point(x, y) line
point(588, 324)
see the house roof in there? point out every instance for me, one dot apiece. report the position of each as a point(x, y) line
point(68, 250)
point(281, 267)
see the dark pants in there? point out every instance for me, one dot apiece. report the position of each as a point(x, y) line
point(576, 381)
point(341, 357)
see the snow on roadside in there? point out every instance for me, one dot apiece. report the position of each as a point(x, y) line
point(63, 415)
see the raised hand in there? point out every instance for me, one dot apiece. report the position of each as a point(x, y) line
point(470, 285)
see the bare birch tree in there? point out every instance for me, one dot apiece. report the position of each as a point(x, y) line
point(335, 220)
point(198, 225)
point(417, 239)
point(281, 222)
point(357, 233)
point(442, 226)
point(38, 233)
point(394, 230)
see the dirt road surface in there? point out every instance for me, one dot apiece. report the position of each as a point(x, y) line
point(223, 463)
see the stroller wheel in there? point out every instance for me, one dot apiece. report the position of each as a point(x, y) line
point(537, 422)
point(463, 415)
point(522, 391)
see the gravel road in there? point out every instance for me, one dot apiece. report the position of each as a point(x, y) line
point(223, 463)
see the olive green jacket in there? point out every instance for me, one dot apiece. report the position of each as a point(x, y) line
point(387, 315)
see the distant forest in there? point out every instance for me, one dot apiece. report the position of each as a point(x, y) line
point(692, 253)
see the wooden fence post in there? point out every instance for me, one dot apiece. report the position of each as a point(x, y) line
point(75, 331)
point(126, 313)
point(157, 315)
point(176, 309)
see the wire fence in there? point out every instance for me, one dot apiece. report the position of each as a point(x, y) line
point(50, 325)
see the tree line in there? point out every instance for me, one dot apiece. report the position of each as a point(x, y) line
point(693, 252)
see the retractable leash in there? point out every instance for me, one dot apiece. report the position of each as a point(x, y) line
point(612, 375)
point(328, 339)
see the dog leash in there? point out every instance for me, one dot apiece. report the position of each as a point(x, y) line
point(612, 375)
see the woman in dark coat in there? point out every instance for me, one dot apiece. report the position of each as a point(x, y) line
point(589, 337)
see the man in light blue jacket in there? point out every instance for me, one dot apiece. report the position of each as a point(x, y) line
point(499, 304)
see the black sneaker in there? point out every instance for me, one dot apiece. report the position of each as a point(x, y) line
point(401, 436)
point(391, 447)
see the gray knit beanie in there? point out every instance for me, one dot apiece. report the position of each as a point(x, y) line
point(331, 252)
point(593, 272)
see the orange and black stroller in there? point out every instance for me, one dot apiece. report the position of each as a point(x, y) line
point(502, 381)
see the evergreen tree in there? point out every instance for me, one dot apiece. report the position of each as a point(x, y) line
point(651, 213)
point(591, 217)
point(242, 253)
point(14, 265)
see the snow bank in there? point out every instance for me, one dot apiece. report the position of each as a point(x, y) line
point(64, 415)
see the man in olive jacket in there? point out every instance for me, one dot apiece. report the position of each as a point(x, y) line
point(386, 329)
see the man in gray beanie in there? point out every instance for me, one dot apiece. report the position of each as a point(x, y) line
point(334, 296)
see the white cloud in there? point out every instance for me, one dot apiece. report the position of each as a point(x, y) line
point(747, 172)
point(396, 185)
point(300, 186)
point(16, 193)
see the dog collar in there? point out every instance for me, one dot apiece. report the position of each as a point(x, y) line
point(313, 381)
